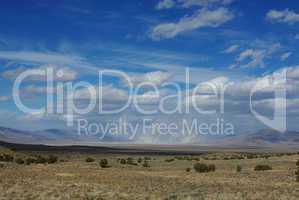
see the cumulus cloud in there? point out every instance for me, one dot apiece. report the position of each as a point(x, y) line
point(285, 56)
point(201, 18)
point(155, 78)
point(285, 16)
point(232, 49)
point(107, 92)
point(293, 72)
point(165, 4)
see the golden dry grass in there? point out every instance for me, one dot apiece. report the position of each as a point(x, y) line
point(78, 180)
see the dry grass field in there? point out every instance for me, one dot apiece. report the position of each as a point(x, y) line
point(164, 177)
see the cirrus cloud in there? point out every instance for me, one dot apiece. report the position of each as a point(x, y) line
point(201, 18)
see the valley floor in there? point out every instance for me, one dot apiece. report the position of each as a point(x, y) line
point(166, 178)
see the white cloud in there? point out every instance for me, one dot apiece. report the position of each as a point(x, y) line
point(12, 74)
point(5, 98)
point(112, 95)
point(37, 57)
point(165, 4)
point(231, 49)
point(297, 36)
point(275, 103)
point(203, 3)
point(33, 89)
point(293, 72)
point(107, 92)
point(60, 73)
point(285, 16)
point(202, 18)
point(155, 78)
point(148, 97)
point(285, 56)
point(255, 57)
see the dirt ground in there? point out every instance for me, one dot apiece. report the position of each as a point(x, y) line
point(166, 178)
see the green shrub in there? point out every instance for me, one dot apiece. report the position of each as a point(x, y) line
point(130, 161)
point(104, 163)
point(211, 168)
point(203, 168)
point(239, 168)
point(41, 160)
point(146, 164)
point(52, 159)
point(252, 156)
point(30, 161)
point(89, 160)
point(123, 161)
point(297, 174)
point(262, 168)
point(20, 161)
point(6, 158)
point(169, 160)
point(188, 169)
point(139, 160)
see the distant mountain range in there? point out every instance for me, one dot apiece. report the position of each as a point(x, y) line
point(263, 138)
point(50, 136)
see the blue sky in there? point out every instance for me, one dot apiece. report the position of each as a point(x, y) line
point(239, 40)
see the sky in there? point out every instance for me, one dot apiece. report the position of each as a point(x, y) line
point(219, 41)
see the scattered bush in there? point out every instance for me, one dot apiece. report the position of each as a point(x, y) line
point(146, 164)
point(89, 160)
point(52, 159)
point(203, 168)
point(211, 168)
point(239, 168)
point(130, 161)
point(20, 161)
point(104, 163)
point(262, 168)
point(147, 158)
point(6, 158)
point(123, 161)
point(297, 174)
point(41, 160)
point(169, 160)
point(187, 158)
point(252, 156)
point(30, 161)
point(188, 169)
point(297, 163)
point(139, 160)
